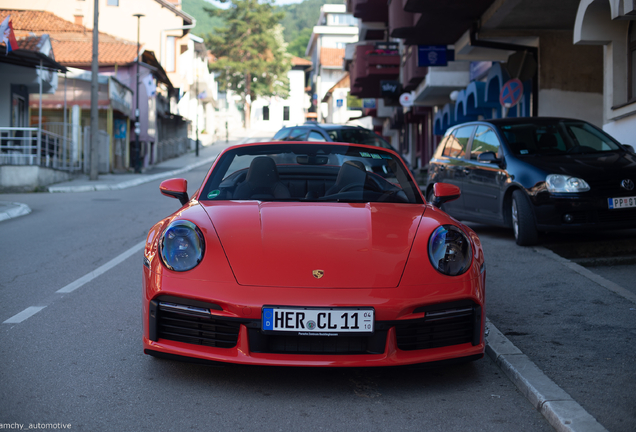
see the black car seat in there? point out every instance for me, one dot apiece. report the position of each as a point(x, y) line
point(351, 173)
point(262, 182)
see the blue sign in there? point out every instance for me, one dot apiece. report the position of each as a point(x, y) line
point(339, 103)
point(368, 103)
point(432, 55)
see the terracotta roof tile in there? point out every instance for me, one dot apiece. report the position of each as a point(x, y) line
point(331, 56)
point(72, 43)
point(298, 61)
point(39, 21)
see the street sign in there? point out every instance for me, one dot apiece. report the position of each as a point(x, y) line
point(511, 93)
point(339, 103)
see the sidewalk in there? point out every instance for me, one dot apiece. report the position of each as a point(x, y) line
point(161, 170)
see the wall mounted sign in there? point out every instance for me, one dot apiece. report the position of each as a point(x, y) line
point(432, 55)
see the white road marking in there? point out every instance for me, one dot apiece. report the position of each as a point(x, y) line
point(100, 270)
point(27, 313)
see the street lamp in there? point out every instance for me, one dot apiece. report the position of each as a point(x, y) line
point(137, 151)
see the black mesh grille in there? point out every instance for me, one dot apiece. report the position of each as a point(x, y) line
point(294, 344)
point(196, 328)
point(444, 325)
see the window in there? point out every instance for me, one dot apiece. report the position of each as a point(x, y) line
point(281, 134)
point(456, 144)
point(266, 113)
point(485, 140)
point(631, 61)
point(298, 134)
point(315, 136)
point(285, 113)
point(112, 2)
point(171, 58)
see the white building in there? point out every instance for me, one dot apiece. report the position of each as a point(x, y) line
point(336, 28)
point(273, 113)
point(612, 24)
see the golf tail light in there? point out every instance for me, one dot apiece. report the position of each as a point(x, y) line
point(182, 246)
point(449, 250)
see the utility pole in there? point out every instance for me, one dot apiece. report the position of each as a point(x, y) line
point(137, 150)
point(94, 155)
point(196, 146)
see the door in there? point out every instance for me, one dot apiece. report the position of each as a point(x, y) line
point(484, 181)
point(452, 165)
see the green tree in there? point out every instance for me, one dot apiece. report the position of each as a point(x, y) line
point(298, 46)
point(252, 58)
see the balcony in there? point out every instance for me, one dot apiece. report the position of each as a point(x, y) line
point(372, 64)
point(434, 22)
point(369, 10)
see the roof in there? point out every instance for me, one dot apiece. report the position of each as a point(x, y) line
point(345, 82)
point(298, 61)
point(332, 57)
point(72, 43)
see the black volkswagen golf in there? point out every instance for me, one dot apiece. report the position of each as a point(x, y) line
point(537, 174)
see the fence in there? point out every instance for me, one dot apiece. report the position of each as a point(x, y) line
point(55, 146)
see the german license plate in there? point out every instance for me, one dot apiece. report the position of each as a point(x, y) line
point(317, 321)
point(618, 203)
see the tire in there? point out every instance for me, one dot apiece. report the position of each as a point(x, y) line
point(522, 218)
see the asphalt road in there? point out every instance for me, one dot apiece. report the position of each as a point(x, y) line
point(79, 359)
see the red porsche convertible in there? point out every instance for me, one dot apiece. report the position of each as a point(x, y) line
point(312, 254)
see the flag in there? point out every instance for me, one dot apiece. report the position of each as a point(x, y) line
point(151, 87)
point(8, 35)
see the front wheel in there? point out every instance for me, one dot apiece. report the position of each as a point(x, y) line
point(523, 220)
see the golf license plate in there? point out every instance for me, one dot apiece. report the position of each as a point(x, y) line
point(317, 321)
point(618, 203)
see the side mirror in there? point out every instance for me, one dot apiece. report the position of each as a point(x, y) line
point(175, 188)
point(489, 157)
point(630, 148)
point(445, 192)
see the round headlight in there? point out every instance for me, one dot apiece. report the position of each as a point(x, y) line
point(449, 250)
point(563, 183)
point(182, 246)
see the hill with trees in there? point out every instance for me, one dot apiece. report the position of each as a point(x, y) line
point(298, 21)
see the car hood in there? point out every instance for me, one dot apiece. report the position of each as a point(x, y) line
point(282, 244)
point(587, 166)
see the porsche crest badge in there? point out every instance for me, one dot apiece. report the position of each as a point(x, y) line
point(318, 273)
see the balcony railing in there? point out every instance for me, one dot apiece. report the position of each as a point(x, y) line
point(51, 147)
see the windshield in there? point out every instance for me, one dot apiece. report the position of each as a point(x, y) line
point(310, 172)
point(358, 136)
point(556, 138)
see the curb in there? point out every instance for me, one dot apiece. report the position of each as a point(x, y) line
point(562, 412)
point(19, 209)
